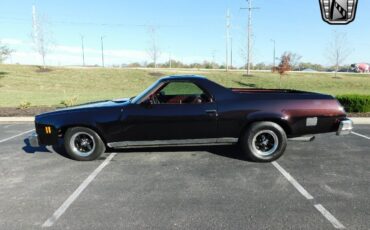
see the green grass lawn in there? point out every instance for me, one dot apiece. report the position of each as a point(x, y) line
point(20, 84)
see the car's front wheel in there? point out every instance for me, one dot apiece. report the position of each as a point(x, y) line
point(83, 144)
point(264, 141)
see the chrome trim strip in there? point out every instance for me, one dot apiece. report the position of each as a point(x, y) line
point(232, 140)
point(169, 143)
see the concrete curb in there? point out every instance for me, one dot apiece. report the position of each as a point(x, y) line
point(17, 119)
point(361, 120)
point(356, 120)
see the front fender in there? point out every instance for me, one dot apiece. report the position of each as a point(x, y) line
point(104, 122)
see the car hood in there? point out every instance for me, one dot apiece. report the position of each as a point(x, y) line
point(89, 106)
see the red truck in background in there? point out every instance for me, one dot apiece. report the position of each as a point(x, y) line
point(361, 68)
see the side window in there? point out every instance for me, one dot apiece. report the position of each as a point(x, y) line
point(182, 93)
point(181, 88)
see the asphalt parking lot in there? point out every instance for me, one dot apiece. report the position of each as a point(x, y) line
point(323, 184)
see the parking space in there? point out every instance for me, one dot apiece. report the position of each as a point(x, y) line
point(191, 188)
point(364, 130)
point(12, 129)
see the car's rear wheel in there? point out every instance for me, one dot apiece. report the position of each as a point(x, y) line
point(83, 144)
point(264, 141)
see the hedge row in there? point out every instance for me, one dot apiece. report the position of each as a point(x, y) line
point(355, 103)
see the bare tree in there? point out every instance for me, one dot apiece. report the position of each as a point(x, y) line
point(41, 36)
point(153, 49)
point(295, 60)
point(338, 50)
point(5, 52)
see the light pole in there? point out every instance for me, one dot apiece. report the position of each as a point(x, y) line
point(170, 61)
point(227, 39)
point(83, 50)
point(231, 52)
point(102, 50)
point(272, 40)
point(213, 58)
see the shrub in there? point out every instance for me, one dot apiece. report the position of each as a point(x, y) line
point(355, 103)
point(69, 102)
point(24, 105)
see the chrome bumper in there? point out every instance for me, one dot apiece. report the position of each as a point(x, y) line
point(345, 127)
point(33, 140)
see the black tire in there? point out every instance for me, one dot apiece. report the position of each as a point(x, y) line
point(263, 141)
point(83, 144)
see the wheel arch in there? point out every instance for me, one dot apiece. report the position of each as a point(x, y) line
point(63, 130)
point(283, 123)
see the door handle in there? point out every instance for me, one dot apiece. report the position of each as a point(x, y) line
point(212, 112)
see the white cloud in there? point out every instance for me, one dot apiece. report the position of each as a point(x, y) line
point(11, 41)
point(71, 55)
point(67, 49)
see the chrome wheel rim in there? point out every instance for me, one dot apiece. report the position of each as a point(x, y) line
point(265, 143)
point(82, 144)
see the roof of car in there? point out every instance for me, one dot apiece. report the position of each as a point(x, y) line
point(182, 77)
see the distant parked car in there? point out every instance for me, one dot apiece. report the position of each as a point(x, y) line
point(361, 68)
point(309, 70)
point(193, 111)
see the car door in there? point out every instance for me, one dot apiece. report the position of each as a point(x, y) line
point(181, 111)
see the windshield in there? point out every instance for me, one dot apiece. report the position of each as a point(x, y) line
point(138, 98)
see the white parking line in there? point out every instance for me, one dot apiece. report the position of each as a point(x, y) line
point(360, 135)
point(9, 138)
point(60, 211)
point(7, 126)
point(334, 221)
point(293, 181)
point(329, 217)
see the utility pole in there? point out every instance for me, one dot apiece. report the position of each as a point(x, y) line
point(170, 61)
point(102, 50)
point(249, 40)
point(34, 22)
point(227, 38)
point(272, 40)
point(213, 58)
point(83, 50)
point(231, 52)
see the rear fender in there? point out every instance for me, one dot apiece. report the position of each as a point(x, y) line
point(280, 119)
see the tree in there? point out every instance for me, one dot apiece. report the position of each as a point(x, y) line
point(174, 64)
point(153, 50)
point(41, 36)
point(4, 52)
point(338, 50)
point(308, 65)
point(295, 60)
point(284, 66)
point(285, 63)
point(262, 66)
point(134, 65)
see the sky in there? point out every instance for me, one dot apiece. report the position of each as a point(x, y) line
point(186, 30)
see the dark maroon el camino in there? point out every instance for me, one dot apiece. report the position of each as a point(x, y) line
point(193, 111)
